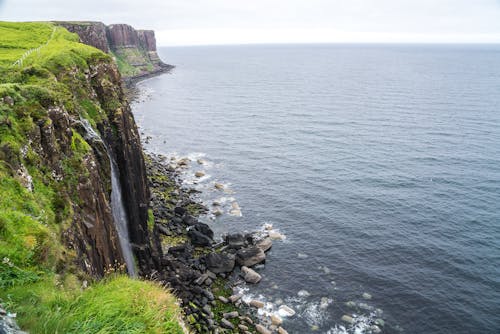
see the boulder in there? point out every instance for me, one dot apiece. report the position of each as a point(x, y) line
point(276, 320)
point(262, 330)
point(265, 244)
point(199, 239)
point(179, 211)
point(204, 229)
point(347, 318)
point(230, 315)
point(236, 240)
point(250, 256)
point(286, 311)
point(256, 303)
point(199, 174)
point(226, 324)
point(281, 330)
point(250, 276)
point(219, 262)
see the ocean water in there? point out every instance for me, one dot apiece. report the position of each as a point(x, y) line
point(379, 163)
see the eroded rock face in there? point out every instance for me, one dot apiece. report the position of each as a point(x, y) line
point(122, 35)
point(91, 33)
point(147, 39)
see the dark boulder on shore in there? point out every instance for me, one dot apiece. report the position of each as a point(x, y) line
point(220, 262)
point(201, 235)
point(250, 256)
point(236, 240)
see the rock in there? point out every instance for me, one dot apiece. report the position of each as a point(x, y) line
point(199, 239)
point(189, 220)
point(220, 262)
point(380, 322)
point(201, 279)
point(276, 320)
point(204, 229)
point(211, 275)
point(367, 296)
point(199, 174)
point(256, 303)
point(243, 327)
point(235, 240)
point(262, 330)
point(375, 329)
point(200, 161)
point(303, 293)
point(184, 162)
point(234, 298)
point(230, 315)
point(218, 212)
point(226, 324)
point(324, 303)
point(219, 186)
point(302, 256)
point(250, 256)
point(250, 276)
point(223, 299)
point(268, 227)
point(350, 304)
point(276, 235)
point(347, 318)
point(265, 244)
point(286, 311)
point(179, 211)
point(282, 331)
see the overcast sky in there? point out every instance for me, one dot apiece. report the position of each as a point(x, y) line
point(190, 22)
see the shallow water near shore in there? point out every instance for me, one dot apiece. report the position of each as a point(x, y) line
point(380, 164)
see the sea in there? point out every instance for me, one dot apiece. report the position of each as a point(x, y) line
point(378, 165)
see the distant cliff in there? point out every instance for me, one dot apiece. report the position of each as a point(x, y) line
point(134, 50)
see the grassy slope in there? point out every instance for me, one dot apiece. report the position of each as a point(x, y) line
point(31, 251)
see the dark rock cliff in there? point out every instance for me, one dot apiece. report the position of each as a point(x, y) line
point(134, 50)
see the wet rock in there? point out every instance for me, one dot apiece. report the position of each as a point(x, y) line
point(220, 262)
point(375, 329)
point(265, 244)
point(189, 220)
point(226, 324)
point(262, 330)
point(282, 331)
point(286, 311)
point(276, 235)
point(218, 212)
point(234, 298)
point(243, 327)
point(250, 276)
point(235, 240)
point(276, 320)
point(303, 293)
point(256, 303)
point(219, 186)
point(250, 256)
point(199, 174)
point(367, 296)
point(347, 318)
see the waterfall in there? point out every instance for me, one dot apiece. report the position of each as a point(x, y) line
point(117, 206)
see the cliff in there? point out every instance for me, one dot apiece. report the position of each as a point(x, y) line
point(63, 119)
point(134, 50)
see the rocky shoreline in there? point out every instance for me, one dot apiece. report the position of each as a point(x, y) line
point(202, 272)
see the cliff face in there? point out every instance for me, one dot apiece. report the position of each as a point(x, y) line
point(134, 50)
point(61, 119)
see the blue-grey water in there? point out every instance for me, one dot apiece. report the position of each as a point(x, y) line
point(380, 164)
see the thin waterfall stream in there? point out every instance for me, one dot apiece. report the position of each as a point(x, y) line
point(117, 206)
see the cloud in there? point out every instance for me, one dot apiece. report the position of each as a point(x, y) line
point(351, 17)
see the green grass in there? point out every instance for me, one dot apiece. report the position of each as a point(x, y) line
point(38, 276)
point(115, 305)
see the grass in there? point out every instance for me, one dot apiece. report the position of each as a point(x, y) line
point(38, 278)
point(117, 304)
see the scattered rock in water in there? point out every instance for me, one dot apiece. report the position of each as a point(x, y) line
point(184, 162)
point(347, 318)
point(250, 276)
point(303, 293)
point(218, 212)
point(256, 303)
point(286, 311)
point(324, 303)
point(220, 262)
point(350, 304)
point(262, 330)
point(375, 329)
point(265, 244)
point(282, 331)
point(276, 320)
point(219, 186)
point(367, 296)
point(199, 174)
point(276, 235)
point(380, 322)
point(250, 256)
point(216, 203)
point(200, 161)
point(268, 227)
point(302, 256)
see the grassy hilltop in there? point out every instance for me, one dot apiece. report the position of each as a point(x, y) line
point(38, 278)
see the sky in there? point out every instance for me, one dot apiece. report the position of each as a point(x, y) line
point(205, 22)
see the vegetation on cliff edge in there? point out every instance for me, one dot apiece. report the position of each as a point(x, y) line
point(38, 277)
